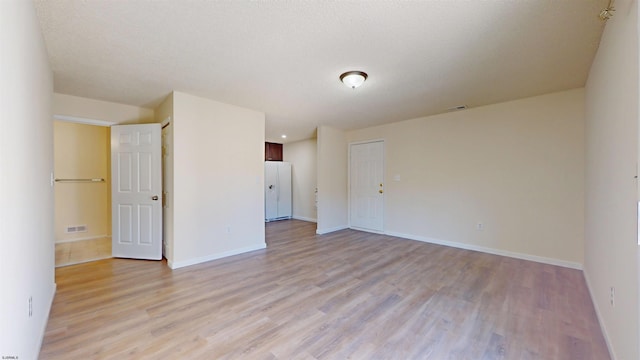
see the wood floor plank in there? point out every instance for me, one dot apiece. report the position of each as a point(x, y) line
point(344, 295)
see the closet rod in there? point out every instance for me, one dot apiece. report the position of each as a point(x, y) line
point(81, 180)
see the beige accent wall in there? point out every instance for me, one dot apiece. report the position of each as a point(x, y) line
point(303, 157)
point(611, 256)
point(516, 167)
point(100, 110)
point(332, 180)
point(218, 180)
point(26, 166)
point(81, 151)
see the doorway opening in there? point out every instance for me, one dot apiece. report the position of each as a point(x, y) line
point(82, 192)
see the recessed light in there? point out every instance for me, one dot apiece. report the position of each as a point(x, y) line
point(283, 136)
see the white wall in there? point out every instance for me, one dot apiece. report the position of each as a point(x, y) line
point(332, 180)
point(218, 180)
point(26, 164)
point(303, 157)
point(517, 167)
point(100, 110)
point(611, 245)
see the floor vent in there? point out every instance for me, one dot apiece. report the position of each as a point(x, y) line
point(77, 228)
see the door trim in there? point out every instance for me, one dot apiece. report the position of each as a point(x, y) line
point(86, 121)
point(384, 154)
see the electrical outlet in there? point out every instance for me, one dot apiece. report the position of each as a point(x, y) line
point(480, 226)
point(612, 296)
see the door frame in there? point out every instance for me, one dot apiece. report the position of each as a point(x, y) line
point(92, 122)
point(166, 142)
point(384, 155)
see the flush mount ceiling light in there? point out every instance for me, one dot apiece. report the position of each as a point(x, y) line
point(353, 79)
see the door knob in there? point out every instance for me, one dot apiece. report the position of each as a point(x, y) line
point(380, 191)
point(154, 197)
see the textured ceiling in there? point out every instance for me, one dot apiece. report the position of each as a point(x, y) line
point(284, 57)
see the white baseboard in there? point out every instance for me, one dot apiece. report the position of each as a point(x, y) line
point(330, 230)
point(278, 219)
point(612, 354)
point(175, 265)
point(60, 241)
point(304, 218)
point(43, 328)
point(488, 250)
point(368, 230)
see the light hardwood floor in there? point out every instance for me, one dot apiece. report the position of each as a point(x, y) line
point(345, 295)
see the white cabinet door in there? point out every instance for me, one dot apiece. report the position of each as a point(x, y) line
point(284, 190)
point(366, 190)
point(136, 191)
point(270, 190)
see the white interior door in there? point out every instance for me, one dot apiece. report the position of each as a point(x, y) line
point(136, 191)
point(366, 191)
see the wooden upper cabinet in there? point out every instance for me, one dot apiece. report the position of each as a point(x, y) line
point(272, 151)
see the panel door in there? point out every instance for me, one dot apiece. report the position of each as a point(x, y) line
point(366, 191)
point(136, 191)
